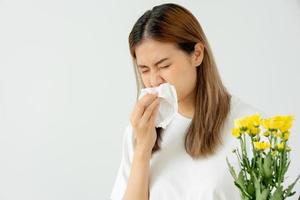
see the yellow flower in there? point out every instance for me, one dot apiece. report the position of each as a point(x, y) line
point(240, 123)
point(280, 146)
point(253, 130)
point(288, 123)
point(281, 122)
point(274, 153)
point(267, 133)
point(255, 120)
point(236, 132)
point(250, 124)
point(277, 133)
point(249, 121)
point(285, 136)
point(262, 145)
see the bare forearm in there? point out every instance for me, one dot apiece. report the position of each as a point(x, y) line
point(138, 182)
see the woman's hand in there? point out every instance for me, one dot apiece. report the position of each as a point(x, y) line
point(143, 123)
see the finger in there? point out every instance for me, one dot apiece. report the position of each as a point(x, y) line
point(149, 111)
point(136, 116)
point(142, 105)
point(147, 100)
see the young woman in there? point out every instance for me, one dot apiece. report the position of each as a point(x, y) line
point(187, 159)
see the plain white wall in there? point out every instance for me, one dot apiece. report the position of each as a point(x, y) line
point(67, 86)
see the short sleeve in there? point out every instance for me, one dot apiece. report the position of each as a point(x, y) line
point(121, 180)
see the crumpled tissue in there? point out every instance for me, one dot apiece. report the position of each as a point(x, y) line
point(168, 106)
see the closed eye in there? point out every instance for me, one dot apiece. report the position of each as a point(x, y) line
point(145, 71)
point(165, 66)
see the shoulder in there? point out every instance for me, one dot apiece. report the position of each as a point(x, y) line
point(240, 108)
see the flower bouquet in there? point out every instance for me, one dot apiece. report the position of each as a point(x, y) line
point(263, 166)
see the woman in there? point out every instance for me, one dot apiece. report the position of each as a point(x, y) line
point(187, 159)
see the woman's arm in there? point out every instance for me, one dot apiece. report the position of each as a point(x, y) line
point(142, 120)
point(138, 182)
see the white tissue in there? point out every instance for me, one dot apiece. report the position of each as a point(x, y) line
point(168, 103)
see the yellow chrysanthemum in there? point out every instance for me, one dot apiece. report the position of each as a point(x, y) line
point(288, 123)
point(262, 145)
point(250, 124)
point(280, 146)
point(285, 136)
point(274, 153)
point(236, 132)
point(281, 122)
point(267, 133)
point(247, 122)
point(277, 133)
point(253, 130)
point(240, 123)
point(255, 120)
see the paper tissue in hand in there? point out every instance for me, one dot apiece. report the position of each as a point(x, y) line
point(168, 106)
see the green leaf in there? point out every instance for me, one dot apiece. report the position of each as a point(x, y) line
point(240, 179)
point(264, 195)
point(278, 194)
point(243, 192)
point(261, 193)
point(267, 166)
point(289, 189)
point(251, 189)
point(285, 168)
point(256, 185)
point(240, 183)
point(231, 169)
point(259, 164)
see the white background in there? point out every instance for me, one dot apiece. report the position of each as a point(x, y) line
point(67, 85)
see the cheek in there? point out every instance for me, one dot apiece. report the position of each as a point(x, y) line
point(185, 83)
point(145, 80)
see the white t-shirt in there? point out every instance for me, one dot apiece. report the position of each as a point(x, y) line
point(174, 175)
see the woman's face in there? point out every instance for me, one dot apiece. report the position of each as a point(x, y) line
point(160, 62)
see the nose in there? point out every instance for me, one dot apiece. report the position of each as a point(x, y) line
point(156, 79)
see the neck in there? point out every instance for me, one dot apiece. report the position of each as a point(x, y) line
point(186, 106)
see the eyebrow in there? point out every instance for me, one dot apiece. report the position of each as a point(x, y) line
point(157, 63)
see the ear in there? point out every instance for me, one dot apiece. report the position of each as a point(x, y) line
point(198, 54)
